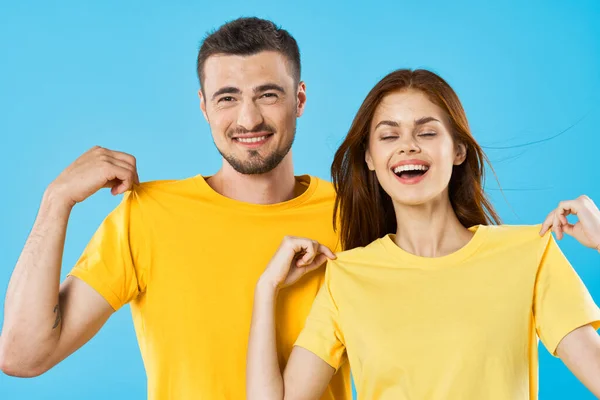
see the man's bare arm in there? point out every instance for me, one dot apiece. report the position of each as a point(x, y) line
point(44, 322)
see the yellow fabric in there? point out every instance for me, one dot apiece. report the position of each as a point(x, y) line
point(462, 326)
point(188, 259)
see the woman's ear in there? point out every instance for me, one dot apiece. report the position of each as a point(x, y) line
point(369, 160)
point(461, 154)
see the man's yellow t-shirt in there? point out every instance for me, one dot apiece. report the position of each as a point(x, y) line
point(462, 326)
point(187, 260)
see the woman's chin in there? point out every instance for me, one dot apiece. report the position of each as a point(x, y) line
point(416, 199)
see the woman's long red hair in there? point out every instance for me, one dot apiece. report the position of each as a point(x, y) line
point(364, 209)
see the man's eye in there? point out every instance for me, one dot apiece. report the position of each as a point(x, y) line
point(269, 95)
point(226, 98)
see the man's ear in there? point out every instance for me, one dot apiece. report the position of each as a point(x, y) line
point(203, 105)
point(301, 99)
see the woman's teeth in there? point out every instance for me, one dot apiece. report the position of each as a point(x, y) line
point(410, 167)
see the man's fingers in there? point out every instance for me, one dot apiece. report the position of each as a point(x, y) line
point(124, 158)
point(119, 178)
point(123, 164)
point(116, 157)
point(128, 158)
point(119, 155)
point(126, 166)
point(121, 188)
point(113, 184)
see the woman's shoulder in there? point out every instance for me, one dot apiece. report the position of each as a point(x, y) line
point(360, 254)
point(526, 231)
point(517, 234)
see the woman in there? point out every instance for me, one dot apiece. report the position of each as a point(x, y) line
point(432, 302)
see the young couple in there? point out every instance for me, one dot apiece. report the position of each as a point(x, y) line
point(429, 301)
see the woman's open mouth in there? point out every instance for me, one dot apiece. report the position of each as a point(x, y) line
point(410, 173)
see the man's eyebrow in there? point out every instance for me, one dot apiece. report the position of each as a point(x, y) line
point(226, 90)
point(269, 86)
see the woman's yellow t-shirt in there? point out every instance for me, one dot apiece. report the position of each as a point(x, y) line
point(462, 326)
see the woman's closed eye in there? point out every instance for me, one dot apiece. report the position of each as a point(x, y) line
point(388, 136)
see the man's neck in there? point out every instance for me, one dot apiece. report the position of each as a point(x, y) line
point(276, 186)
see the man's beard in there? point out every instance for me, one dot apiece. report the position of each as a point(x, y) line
point(258, 164)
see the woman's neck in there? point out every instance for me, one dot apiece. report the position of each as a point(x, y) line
point(430, 230)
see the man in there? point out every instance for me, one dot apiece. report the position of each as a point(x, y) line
point(185, 254)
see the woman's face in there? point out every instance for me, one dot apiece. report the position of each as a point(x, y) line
point(411, 148)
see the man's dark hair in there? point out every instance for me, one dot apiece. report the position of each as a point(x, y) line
point(248, 36)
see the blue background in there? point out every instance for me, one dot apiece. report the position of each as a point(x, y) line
point(122, 75)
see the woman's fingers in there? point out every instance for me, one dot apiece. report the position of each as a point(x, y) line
point(327, 252)
point(547, 223)
point(312, 250)
point(557, 218)
point(569, 229)
point(318, 261)
point(557, 226)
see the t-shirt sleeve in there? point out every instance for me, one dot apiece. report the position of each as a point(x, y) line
point(321, 334)
point(108, 263)
point(562, 303)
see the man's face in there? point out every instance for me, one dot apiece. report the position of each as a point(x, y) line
point(251, 104)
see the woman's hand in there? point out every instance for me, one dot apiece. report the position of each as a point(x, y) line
point(295, 258)
point(586, 230)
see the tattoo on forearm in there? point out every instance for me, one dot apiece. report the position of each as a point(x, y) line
point(57, 312)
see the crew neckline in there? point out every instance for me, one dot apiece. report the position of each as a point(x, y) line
point(480, 233)
point(313, 183)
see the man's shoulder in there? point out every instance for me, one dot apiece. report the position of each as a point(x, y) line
point(166, 187)
point(168, 184)
point(160, 192)
point(324, 190)
point(325, 184)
